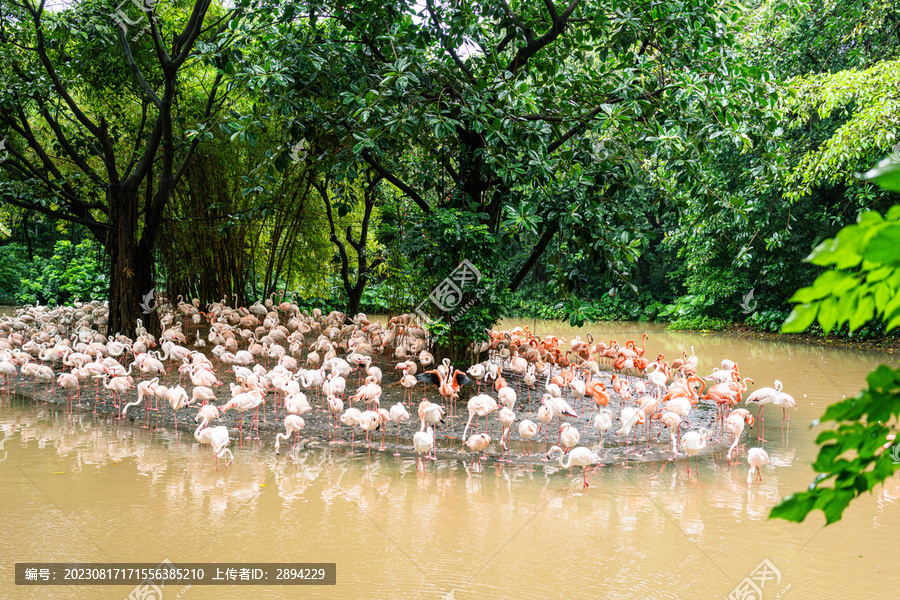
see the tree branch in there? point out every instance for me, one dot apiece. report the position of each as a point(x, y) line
point(67, 146)
point(210, 100)
point(429, 4)
point(517, 21)
point(575, 129)
point(190, 34)
point(345, 260)
point(158, 44)
point(97, 228)
point(449, 167)
point(143, 165)
point(535, 46)
point(551, 8)
point(399, 184)
point(137, 138)
point(542, 244)
point(135, 70)
point(64, 190)
point(48, 67)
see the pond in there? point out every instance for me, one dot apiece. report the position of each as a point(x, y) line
point(86, 488)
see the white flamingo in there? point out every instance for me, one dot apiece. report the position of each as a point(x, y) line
point(602, 423)
point(423, 442)
point(767, 395)
point(399, 414)
point(292, 425)
point(673, 422)
point(577, 457)
point(692, 443)
point(217, 437)
point(569, 436)
point(481, 406)
point(756, 457)
point(506, 417)
point(527, 430)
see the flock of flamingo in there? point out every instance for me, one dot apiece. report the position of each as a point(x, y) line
point(614, 388)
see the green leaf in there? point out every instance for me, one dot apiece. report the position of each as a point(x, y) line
point(793, 508)
point(826, 457)
point(865, 309)
point(834, 506)
point(884, 246)
point(885, 174)
point(826, 284)
point(828, 314)
point(800, 318)
point(895, 322)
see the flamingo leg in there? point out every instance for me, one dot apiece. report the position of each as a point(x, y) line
point(583, 471)
point(529, 455)
point(544, 458)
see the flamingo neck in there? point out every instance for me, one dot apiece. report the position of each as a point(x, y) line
point(202, 424)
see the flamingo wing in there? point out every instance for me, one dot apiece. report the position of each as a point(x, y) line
point(432, 377)
point(761, 394)
point(461, 378)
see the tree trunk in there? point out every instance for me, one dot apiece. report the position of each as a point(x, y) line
point(536, 254)
point(355, 297)
point(132, 293)
point(354, 290)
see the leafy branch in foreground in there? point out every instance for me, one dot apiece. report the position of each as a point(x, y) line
point(863, 283)
point(854, 454)
point(865, 280)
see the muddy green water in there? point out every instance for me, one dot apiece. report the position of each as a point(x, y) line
point(77, 488)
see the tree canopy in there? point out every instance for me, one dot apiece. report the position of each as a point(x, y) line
point(593, 159)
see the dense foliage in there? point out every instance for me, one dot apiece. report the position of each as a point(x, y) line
point(863, 282)
point(594, 160)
